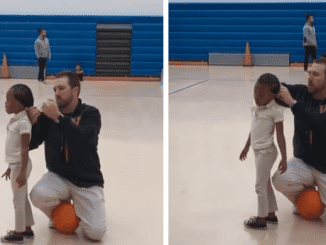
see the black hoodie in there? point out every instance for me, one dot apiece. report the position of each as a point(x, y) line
point(83, 167)
point(308, 118)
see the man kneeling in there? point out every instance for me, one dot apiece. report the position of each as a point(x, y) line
point(307, 168)
point(70, 130)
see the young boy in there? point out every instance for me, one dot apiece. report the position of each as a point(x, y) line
point(19, 97)
point(266, 116)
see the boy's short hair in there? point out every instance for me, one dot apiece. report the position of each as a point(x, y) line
point(270, 80)
point(23, 94)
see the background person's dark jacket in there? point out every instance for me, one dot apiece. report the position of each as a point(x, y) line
point(83, 168)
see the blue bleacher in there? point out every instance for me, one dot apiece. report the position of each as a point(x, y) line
point(73, 40)
point(196, 29)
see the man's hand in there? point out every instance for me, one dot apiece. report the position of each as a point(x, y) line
point(51, 110)
point(285, 96)
point(7, 174)
point(33, 114)
point(282, 167)
point(21, 179)
point(244, 153)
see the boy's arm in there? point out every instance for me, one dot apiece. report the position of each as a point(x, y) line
point(24, 129)
point(21, 178)
point(281, 143)
point(248, 142)
point(281, 139)
point(245, 150)
point(24, 152)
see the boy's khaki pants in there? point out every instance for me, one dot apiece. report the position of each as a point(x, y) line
point(23, 210)
point(264, 160)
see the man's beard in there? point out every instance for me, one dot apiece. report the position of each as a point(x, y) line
point(62, 104)
point(311, 88)
point(314, 90)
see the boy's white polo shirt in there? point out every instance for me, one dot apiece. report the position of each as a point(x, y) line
point(19, 124)
point(263, 124)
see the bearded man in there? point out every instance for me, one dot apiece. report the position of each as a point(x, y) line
point(307, 169)
point(70, 130)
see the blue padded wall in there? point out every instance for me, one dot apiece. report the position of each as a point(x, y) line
point(196, 29)
point(147, 49)
point(73, 40)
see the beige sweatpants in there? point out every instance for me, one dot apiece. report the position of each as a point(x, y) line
point(264, 160)
point(23, 210)
point(297, 178)
point(89, 204)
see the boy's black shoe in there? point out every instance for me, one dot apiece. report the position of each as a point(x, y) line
point(27, 234)
point(273, 220)
point(12, 238)
point(254, 224)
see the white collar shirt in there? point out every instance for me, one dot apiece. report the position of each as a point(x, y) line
point(19, 124)
point(263, 124)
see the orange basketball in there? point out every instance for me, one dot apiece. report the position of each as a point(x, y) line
point(64, 218)
point(309, 204)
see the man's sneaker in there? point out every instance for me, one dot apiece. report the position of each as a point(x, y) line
point(253, 224)
point(27, 234)
point(12, 238)
point(273, 220)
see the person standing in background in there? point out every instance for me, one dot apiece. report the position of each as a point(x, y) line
point(43, 52)
point(309, 40)
point(79, 71)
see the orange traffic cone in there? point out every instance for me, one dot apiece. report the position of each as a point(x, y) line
point(247, 61)
point(4, 67)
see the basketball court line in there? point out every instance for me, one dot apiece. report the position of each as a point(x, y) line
point(179, 90)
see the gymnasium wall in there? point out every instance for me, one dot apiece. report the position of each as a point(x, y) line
point(196, 29)
point(83, 7)
point(73, 40)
